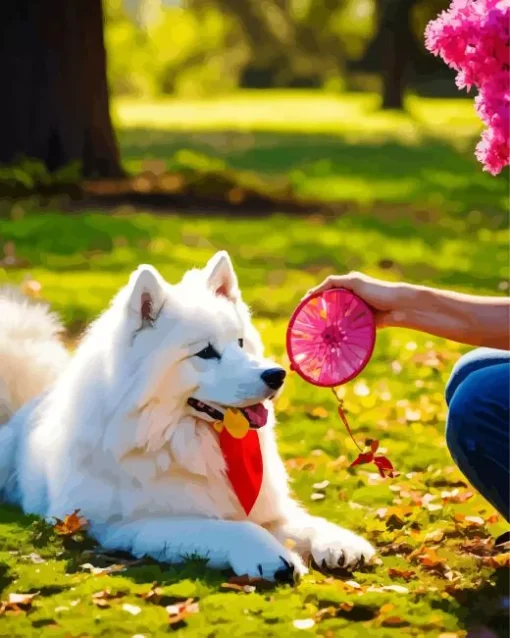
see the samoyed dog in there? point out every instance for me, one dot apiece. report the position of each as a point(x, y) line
point(122, 430)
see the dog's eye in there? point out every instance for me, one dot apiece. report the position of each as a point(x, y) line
point(208, 353)
point(240, 342)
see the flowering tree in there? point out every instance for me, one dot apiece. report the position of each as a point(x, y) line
point(473, 38)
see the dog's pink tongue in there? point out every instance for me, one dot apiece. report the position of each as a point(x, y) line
point(257, 415)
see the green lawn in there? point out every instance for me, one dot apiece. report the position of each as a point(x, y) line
point(392, 170)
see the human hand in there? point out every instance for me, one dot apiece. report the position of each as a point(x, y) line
point(388, 300)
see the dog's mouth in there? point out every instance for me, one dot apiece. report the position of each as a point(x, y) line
point(256, 414)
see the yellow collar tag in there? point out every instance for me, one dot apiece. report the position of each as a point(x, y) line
point(234, 421)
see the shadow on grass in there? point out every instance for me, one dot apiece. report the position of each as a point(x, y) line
point(428, 172)
point(482, 608)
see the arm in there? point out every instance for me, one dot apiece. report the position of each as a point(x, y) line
point(469, 319)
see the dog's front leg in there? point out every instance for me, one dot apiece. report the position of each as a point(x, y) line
point(328, 544)
point(244, 547)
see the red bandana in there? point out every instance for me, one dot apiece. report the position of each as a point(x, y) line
point(243, 459)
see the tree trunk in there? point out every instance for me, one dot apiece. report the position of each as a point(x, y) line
point(396, 43)
point(55, 105)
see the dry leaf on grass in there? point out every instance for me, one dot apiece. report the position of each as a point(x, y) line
point(103, 571)
point(405, 574)
point(181, 611)
point(395, 622)
point(430, 560)
point(131, 609)
point(321, 486)
point(103, 598)
point(247, 584)
point(155, 595)
point(456, 496)
point(328, 612)
point(497, 562)
point(17, 603)
point(479, 546)
point(435, 536)
point(398, 589)
point(71, 525)
point(469, 521)
point(318, 413)
point(304, 623)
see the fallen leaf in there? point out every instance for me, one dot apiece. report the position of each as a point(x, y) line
point(394, 516)
point(498, 561)
point(386, 608)
point(102, 598)
point(247, 589)
point(346, 606)
point(478, 546)
point(261, 584)
point(398, 589)
point(318, 413)
point(305, 623)
point(317, 496)
point(405, 574)
point(394, 621)
point(397, 548)
point(456, 496)
point(469, 521)
point(131, 609)
point(329, 612)
point(321, 486)
point(429, 559)
point(103, 571)
point(17, 603)
point(22, 599)
point(179, 612)
point(435, 536)
point(71, 524)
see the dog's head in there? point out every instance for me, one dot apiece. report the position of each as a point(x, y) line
point(192, 349)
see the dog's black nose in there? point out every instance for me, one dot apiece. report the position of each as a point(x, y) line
point(273, 377)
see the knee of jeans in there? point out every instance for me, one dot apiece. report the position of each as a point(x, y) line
point(467, 364)
point(459, 430)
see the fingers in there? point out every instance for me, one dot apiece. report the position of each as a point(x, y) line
point(349, 282)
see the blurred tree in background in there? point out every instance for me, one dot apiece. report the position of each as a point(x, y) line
point(54, 105)
point(53, 61)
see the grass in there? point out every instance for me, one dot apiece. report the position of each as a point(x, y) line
point(462, 242)
point(331, 147)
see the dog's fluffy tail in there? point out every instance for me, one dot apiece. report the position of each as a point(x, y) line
point(31, 353)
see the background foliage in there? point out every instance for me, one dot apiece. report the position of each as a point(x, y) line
point(206, 47)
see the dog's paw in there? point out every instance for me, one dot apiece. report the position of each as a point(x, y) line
point(339, 548)
point(272, 562)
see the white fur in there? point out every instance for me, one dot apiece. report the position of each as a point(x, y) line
point(113, 434)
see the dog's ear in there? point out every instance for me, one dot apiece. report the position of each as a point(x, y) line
point(221, 278)
point(146, 293)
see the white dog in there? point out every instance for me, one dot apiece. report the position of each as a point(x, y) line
point(120, 432)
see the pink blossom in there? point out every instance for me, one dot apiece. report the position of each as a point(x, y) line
point(473, 38)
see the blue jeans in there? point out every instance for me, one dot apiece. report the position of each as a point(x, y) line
point(477, 430)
